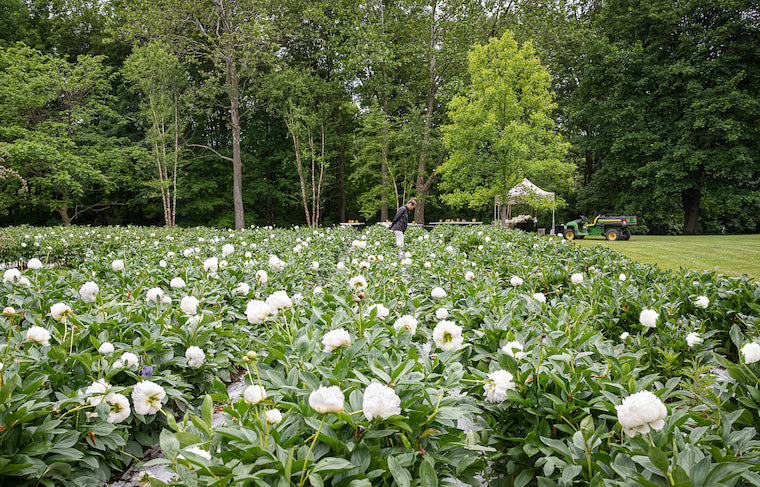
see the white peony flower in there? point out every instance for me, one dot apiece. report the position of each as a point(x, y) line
point(97, 392)
point(380, 401)
point(622, 277)
point(89, 291)
point(751, 352)
point(406, 261)
point(38, 334)
point(273, 416)
point(187, 252)
point(257, 311)
point(275, 263)
point(189, 305)
point(638, 412)
point(406, 322)
point(448, 335)
point(539, 297)
point(34, 264)
point(358, 282)
point(117, 265)
point(243, 288)
point(514, 349)
point(441, 313)
point(279, 301)
point(177, 283)
point(702, 302)
point(469, 276)
point(106, 347)
point(154, 294)
point(327, 399)
point(576, 278)
point(227, 249)
point(9, 311)
point(318, 290)
point(648, 318)
point(11, 275)
point(254, 394)
point(336, 338)
point(438, 292)
point(120, 409)
point(59, 310)
point(195, 356)
point(341, 266)
point(500, 382)
point(262, 276)
point(162, 263)
point(516, 281)
point(211, 264)
point(129, 359)
point(315, 265)
point(382, 311)
point(147, 397)
point(693, 339)
point(624, 335)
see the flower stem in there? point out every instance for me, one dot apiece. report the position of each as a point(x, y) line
point(306, 462)
point(750, 371)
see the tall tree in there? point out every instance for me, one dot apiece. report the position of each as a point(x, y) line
point(501, 128)
point(228, 38)
point(315, 38)
point(304, 102)
point(416, 53)
point(54, 129)
point(157, 75)
point(680, 123)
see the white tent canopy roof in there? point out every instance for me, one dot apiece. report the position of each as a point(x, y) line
point(524, 188)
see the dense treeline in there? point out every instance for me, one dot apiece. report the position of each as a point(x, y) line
point(240, 112)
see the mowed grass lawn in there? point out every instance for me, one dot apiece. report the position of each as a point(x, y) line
point(731, 255)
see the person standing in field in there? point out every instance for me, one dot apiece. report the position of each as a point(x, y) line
point(400, 221)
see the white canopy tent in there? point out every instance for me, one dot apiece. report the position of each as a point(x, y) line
point(517, 195)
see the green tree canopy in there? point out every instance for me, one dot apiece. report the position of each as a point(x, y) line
point(54, 129)
point(157, 75)
point(678, 125)
point(501, 128)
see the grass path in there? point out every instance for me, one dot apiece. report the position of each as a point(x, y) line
point(732, 255)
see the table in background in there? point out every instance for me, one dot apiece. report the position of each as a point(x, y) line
point(455, 223)
point(388, 224)
point(355, 224)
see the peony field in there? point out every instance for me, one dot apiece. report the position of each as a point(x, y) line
point(474, 356)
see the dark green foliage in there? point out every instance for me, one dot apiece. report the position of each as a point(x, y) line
point(680, 83)
point(658, 100)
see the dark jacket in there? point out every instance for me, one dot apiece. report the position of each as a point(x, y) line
point(401, 219)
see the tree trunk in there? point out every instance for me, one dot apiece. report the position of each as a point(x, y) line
point(176, 162)
point(341, 169)
point(691, 198)
point(422, 186)
point(590, 167)
point(384, 155)
point(233, 88)
point(64, 212)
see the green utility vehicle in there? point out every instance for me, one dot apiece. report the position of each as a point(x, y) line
point(612, 227)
